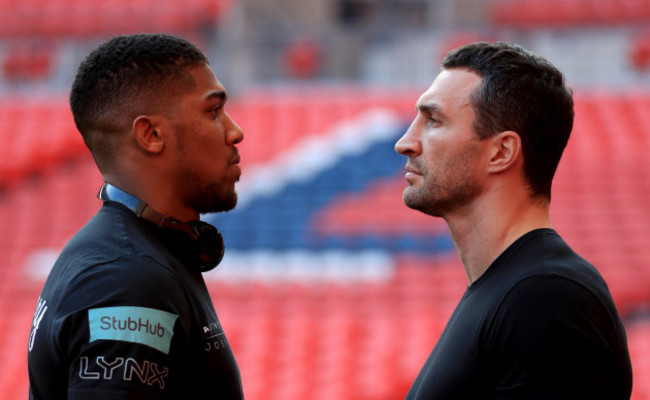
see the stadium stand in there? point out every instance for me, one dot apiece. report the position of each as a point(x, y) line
point(336, 340)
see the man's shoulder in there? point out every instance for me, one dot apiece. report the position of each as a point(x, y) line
point(552, 283)
point(113, 233)
point(541, 263)
point(544, 253)
point(113, 247)
point(558, 260)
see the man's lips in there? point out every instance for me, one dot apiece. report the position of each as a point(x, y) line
point(236, 158)
point(410, 170)
point(234, 162)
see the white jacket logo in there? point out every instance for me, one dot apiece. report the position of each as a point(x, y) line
point(38, 316)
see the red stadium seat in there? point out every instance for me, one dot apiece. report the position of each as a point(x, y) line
point(27, 62)
point(568, 13)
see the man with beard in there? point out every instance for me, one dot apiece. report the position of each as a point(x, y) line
point(536, 320)
point(125, 312)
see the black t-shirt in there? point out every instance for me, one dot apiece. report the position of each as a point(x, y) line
point(120, 317)
point(539, 324)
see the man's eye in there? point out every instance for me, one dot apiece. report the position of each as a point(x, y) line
point(433, 121)
point(215, 111)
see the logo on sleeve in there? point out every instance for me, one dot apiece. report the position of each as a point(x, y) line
point(148, 326)
point(36, 322)
point(215, 339)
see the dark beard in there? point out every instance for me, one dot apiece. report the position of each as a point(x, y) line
point(215, 198)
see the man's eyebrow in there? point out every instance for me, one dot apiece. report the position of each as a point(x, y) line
point(431, 109)
point(216, 95)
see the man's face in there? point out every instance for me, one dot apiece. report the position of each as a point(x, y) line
point(205, 138)
point(442, 148)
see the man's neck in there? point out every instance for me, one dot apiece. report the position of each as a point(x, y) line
point(482, 233)
point(159, 197)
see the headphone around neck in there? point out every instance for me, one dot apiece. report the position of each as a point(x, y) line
point(196, 243)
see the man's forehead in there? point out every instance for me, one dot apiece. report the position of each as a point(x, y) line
point(206, 85)
point(451, 87)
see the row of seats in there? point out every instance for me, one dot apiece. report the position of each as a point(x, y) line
point(640, 51)
point(568, 13)
point(36, 135)
point(320, 342)
point(326, 340)
point(27, 62)
point(81, 18)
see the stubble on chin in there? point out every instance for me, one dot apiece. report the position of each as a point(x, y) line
point(216, 198)
point(419, 199)
point(438, 200)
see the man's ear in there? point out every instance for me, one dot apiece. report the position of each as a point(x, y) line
point(147, 134)
point(505, 152)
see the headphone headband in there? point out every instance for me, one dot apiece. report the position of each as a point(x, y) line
point(139, 207)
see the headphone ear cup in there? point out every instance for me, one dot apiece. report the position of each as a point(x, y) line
point(210, 247)
point(197, 244)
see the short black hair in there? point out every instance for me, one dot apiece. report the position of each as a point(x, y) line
point(522, 92)
point(124, 77)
